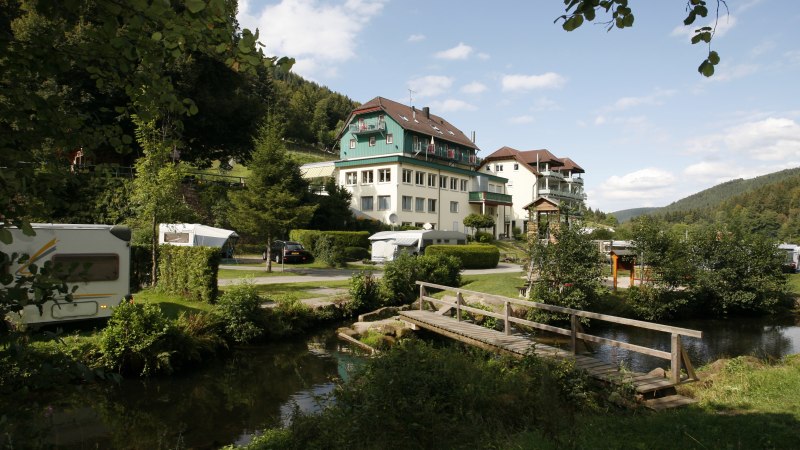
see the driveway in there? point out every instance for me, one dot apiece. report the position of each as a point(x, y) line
point(308, 275)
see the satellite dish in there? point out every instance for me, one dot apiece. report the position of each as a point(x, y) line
point(427, 226)
point(393, 218)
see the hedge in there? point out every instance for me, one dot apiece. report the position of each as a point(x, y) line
point(141, 266)
point(341, 238)
point(474, 256)
point(189, 271)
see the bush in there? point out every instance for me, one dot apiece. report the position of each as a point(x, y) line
point(439, 269)
point(189, 271)
point(356, 253)
point(484, 237)
point(329, 252)
point(138, 339)
point(399, 277)
point(342, 239)
point(365, 293)
point(141, 266)
point(239, 309)
point(471, 256)
point(651, 303)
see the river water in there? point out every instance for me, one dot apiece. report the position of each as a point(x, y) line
point(230, 399)
point(225, 402)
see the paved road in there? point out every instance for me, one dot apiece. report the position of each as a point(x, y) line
point(306, 275)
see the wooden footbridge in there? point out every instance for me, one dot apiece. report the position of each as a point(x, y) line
point(657, 392)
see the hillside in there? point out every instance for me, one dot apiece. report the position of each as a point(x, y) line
point(628, 214)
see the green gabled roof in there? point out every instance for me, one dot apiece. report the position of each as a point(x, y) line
point(407, 160)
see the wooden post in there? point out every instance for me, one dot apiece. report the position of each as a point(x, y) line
point(675, 360)
point(459, 300)
point(421, 295)
point(507, 308)
point(573, 320)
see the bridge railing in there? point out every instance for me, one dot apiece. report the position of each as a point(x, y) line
point(677, 355)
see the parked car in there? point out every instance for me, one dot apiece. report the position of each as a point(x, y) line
point(289, 252)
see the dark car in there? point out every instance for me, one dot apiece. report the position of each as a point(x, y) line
point(289, 252)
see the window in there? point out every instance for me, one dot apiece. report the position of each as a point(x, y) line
point(419, 204)
point(454, 208)
point(352, 143)
point(431, 180)
point(516, 166)
point(366, 203)
point(498, 167)
point(367, 177)
point(443, 182)
point(420, 178)
point(415, 147)
point(389, 138)
point(372, 141)
point(87, 267)
point(453, 184)
point(431, 205)
point(384, 175)
point(407, 200)
point(176, 238)
point(351, 178)
point(407, 175)
point(383, 202)
point(464, 185)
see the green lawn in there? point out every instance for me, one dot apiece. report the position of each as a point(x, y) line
point(504, 284)
point(299, 290)
point(171, 305)
point(235, 274)
point(794, 283)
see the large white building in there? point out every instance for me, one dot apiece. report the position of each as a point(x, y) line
point(406, 166)
point(533, 174)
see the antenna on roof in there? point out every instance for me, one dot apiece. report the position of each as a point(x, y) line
point(411, 96)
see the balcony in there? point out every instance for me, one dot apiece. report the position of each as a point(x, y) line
point(447, 155)
point(575, 180)
point(490, 198)
point(558, 193)
point(550, 173)
point(367, 127)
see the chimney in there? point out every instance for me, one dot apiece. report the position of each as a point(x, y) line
point(427, 112)
point(413, 112)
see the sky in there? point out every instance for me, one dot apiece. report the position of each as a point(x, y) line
point(627, 105)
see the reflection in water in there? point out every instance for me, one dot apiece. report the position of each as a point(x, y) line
point(226, 402)
point(760, 337)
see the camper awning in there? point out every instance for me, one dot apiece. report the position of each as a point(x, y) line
point(406, 242)
point(317, 171)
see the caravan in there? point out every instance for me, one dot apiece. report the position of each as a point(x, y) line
point(95, 258)
point(386, 245)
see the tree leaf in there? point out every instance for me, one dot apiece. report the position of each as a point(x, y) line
point(156, 36)
point(706, 68)
point(713, 57)
point(195, 6)
point(27, 229)
point(628, 20)
point(5, 236)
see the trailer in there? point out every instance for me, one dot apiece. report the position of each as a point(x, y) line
point(197, 235)
point(386, 245)
point(93, 258)
point(791, 262)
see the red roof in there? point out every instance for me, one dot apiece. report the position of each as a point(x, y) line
point(529, 157)
point(413, 119)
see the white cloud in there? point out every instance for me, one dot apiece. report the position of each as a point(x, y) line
point(460, 51)
point(642, 185)
point(451, 105)
point(725, 24)
point(318, 33)
point(475, 87)
point(545, 104)
point(518, 120)
point(430, 86)
point(484, 56)
point(599, 120)
point(549, 80)
point(416, 38)
point(651, 99)
point(770, 139)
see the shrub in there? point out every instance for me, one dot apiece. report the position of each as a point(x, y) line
point(239, 309)
point(342, 239)
point(355, 253)
point(365, 293)
point(138, 339)
point(484, 321)
point(329, 252)
point(200, 334)
point(471, 256)
point(439, 269)
point(189, 271)
point(484, 237)
point(652, 303)
point(399, 277)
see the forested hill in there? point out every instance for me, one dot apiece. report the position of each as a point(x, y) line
point(628, 214)
point(713, 197)
point(313, 113)
point(769, 204)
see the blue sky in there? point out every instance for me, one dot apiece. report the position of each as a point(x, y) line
point(627, 105)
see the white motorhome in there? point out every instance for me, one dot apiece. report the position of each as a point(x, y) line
point(792, 259)
point(195, 235)
point(95, 258)
point(386, 245)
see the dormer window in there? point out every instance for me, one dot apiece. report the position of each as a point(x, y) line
point(404, 118)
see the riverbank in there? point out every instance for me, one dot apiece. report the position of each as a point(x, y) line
point(742, 403)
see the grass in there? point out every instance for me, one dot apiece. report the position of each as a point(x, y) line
point(504, 284)
point(794, 283)
point(299, 290)
point(512, 249)
point(743, 403)
point(235, 273)
point(171, 305)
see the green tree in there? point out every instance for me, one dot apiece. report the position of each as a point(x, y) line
point(333, 211)
point(479, 221)
point(569, 269)
point(275, 199)
point(578, 11)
